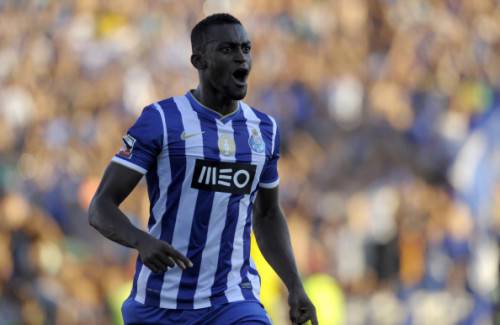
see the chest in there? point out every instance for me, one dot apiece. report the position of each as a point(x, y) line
point(236, 141)
point(220, 157)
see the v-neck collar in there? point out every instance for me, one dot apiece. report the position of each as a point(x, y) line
point(199, 107)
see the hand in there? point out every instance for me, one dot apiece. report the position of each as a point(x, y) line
point(301, 308)
point(158, 255)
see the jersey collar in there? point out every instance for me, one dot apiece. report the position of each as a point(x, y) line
point(199, 107)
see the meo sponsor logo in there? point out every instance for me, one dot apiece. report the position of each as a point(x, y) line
point(218, 176)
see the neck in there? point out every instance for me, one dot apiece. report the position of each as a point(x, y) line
point(215, 100)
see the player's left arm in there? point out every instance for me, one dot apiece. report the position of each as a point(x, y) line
point(271, 231)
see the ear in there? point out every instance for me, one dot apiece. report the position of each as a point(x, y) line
point(198, 61)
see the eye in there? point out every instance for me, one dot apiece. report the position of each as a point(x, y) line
point(226, 50)
point(246, 48)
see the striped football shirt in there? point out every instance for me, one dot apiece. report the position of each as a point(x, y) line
point(203, 171)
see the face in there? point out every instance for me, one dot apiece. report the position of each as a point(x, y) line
point(228, 60)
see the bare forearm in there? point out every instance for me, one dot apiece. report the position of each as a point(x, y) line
point(106, 217)
point(273, 238)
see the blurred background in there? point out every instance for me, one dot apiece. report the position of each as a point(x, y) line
point(390, 172)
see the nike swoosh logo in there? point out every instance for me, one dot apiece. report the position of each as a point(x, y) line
point(185, 135)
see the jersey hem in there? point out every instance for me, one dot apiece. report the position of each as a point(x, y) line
point(129, 164)
point(270, 185)
point(205, 303)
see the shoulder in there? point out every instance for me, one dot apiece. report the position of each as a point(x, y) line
point(152, 121)
point(265, 120)
point(265, 124)
point(163, 105)
point(164, 109)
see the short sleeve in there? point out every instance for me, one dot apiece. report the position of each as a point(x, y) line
point(269, 177)
point(143, 141)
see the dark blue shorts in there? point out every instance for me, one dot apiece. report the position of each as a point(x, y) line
point(241, 312)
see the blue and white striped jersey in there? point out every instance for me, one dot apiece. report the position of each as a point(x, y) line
point(203, 171)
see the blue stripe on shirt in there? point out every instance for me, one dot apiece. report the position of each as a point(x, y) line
point(224, 264)
point(199, 227)
point(248, 294)
point(153, 192)
point(241, 129)
point(225, 251)
point(178, 171)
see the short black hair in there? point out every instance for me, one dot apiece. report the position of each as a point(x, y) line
point(203, 25)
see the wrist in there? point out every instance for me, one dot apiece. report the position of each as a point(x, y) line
point(295, 286)
point(139, 238)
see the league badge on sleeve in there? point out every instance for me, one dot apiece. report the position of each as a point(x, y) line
point(128, 146)
point(256, 142)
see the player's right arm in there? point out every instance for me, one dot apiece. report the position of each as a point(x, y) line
point(143, 143)
point(106, 217)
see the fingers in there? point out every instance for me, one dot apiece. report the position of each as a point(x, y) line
point(159, 262)
point(302, 315)
point(304, 318)
point(155, 266)
point(182, 261)
point(294, 315)
point(158, 256)
point(311, 315)
point(314, 318)
point(166, 260)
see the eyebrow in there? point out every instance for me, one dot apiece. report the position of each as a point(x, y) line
point(198, 48)
point(232, 43)
point(235, 43)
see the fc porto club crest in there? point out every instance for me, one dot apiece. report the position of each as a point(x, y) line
point(256, 142)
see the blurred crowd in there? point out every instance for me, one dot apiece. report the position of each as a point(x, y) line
point(390, 170)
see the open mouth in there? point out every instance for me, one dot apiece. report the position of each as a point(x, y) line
point(240, 75)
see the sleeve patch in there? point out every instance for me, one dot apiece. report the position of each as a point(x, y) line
point(128, 146)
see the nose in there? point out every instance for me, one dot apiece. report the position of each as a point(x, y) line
point(239, 56)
